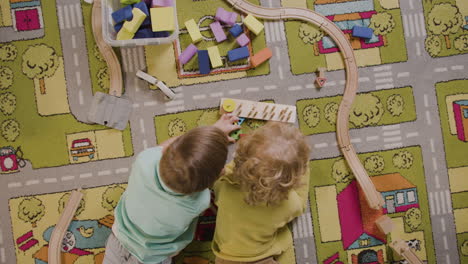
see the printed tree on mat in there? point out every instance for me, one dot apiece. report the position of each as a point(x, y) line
point(403, 160)
point(444, 19)
point(63, 202)
point(464, 248)
point(40, 61)
point(6, 77)
point(461, 43)
point(311, 114)
point(10, 129)
point(331, 112)
point(367, 110)
point(310, 35)
point(395, 104)
point(7, 103)
point(8, 52)
point(176, 127)
point(341, 171)
point(433, 45)
point(413, 218)
point(31, 210)
point(103, 79)
point(382, 24)
point(374, 164)
point(111, 197)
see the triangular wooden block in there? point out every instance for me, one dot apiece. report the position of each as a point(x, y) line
point(321, 81)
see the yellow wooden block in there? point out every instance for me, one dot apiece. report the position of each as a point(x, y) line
point(253, 24)
point(124, 34)
point(193, 30)
point(134, 24)
point(162, 19)
point(215, 58)
point(229, 105)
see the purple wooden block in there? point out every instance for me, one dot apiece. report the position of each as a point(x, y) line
point(188, 53)
point(218, 31)
point(226, 16)
point(160, 3)
point(243, 40)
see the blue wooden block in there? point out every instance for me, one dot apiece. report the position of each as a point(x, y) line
point(362, 32)
point(238, 54)
point(144, 33)
point(236, 30)
point(142, 6)
point(118, 26)
point(123, 14)
point(161, 34)
point(203, 62)
point(146, 22)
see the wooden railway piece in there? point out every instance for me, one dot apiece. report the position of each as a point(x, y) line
point(402, 249)
point(261, 110)
point(373, 197)
point(54, 256)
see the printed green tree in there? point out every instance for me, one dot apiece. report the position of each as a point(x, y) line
point(311, 115)
point(63, 202)
point(461, 43)
point(310, 34)
point(403, 159)
point(103, 79)
point(374, 164)
point(464, 248)
point(8, 52)
point(444, 19)
point(395, 104)
point(367, 110)
point(6, 77)
point(111, 197)
point(433, 45)
point(176, 127)
point(40, 61)
point(382, 24)
point(341, 172)
point(10, 129)
point(413, 218)
point(31, 210)
point(7, 103)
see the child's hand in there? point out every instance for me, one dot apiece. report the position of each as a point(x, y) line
point(228, 123)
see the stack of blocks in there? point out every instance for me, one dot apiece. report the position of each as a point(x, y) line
point(134, 20)
point(212, 54)
point(362, 32)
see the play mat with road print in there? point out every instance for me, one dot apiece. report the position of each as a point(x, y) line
point(409, 125)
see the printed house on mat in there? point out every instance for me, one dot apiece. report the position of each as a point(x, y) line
point(346, 14)
point(398, 193)
point(359, 233)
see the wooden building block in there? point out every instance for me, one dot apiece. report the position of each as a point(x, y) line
point(253, 24)
point(193, 30)
point(215, 58)
point(261, 56)
point(187, 54)
point(243, 40)
point(260, 110)
point(218, 31)
point(134, 24)
point(123, 34)
point(402, 249)
point(203, 62)
point(162, 19)
point(385, 224)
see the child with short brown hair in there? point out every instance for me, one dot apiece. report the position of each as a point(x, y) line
point(263, 190)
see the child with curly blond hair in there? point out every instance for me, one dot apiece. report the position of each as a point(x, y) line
point(259, 193)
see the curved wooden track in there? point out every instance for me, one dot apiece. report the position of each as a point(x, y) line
point(373, 197)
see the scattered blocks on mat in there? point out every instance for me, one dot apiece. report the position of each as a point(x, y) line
point(144, 33)
point(215, 58)
point(236, 30)
point(193, 30)
point(261, 56)
point(124, 34)
point(218, 31)
point(134, 24)
point(187, 54)
point(238, 54)
point(243, 40)
point(203, 62)
point(162, 18)
point(362, 32)
point(142, 6)
point(226, 16)
point(162, 3)
point(253, 24)
point(123, 14)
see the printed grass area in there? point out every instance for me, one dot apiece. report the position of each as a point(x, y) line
point(440, 49)
point(462, 242)
point(321, 175)
point(302, 55)
point(197, 10)
point(456, 150)
point(377, 108)
point(43, 138)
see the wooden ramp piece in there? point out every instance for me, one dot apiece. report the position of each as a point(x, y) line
point(259, 110)
point(62, 226)
point(403, 250)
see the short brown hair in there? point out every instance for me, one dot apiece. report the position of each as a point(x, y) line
point(270, 162)
point(194, 161)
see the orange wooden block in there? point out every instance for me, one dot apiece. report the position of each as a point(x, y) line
point(261, 57)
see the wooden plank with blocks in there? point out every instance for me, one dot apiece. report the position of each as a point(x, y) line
point(402, 249)
point(259, 110)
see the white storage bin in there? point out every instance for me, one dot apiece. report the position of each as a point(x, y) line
point(109, 34)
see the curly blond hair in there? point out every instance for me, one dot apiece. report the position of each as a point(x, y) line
point(270, 162)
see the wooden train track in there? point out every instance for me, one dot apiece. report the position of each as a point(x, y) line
point(373, 197)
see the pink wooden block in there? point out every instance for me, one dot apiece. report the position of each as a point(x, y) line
point(226, 16)
point(159, 3)
point(243, 40)
point(187, 54)
point(218, 31)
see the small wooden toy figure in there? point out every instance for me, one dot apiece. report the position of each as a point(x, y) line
point(321, 80)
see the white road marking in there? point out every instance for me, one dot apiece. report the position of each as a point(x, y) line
point(443, 203)
point(332, 83)
point(277, 53)
point(403, 74)
point(68, 178)
point(60, 17)
point(121, 170)
point(175, 102)
point(434, 163)
point(236, 91)
point(411, 25)
point(335, 144)
point(175, 109)
point(67, 16)
point(310, 86)
point(422, 23)
point(418, 48)
point(457, 67)
point(437, 182)
point(14, 184)
point(405, 25)
point(441, 69)
point(306, 252)
point(86, 175)
point(444, 238)
point(252, 89)
point(392, 139)
point(131, 63)
point(73, 40)
point(267, 32)
point(124, 59)
point(32, 182)
point(1, 237)
point(145, 144)
point(50, 180)
point(391, 133)
point(75, 58)
point(135, 105)
point(384, 86)
point(426, 100)
point(447, 259)
point(309, 224)
point(356, 140)
point(416, 25)
point(411, 4)
point(199, 96)
point(104, 173)
point(412, 134)
point(277, 30)
point(437, 202)
point(80, 97)
point(363, 79)
point(295, 229)
point(270, 87)
point(150, 103)
point(383, 68)
point(428, 118)
point(79, 16)
point(388, 80)
point(321, 145)
point(299, 227)
point(142, 125)
point(304, 224)
point(448, 200)
point(72, 15)
point(78, 78)
point(342, 82)
point(138, 63)
point(391, 127)
point(283, 32)
point(442, 224)
point(295, 88)
point(2, 255)
point(431, 203)
point(394, 145)
point(280, 72)
point(216, 94)
point(382, 74)
point(372, 138)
